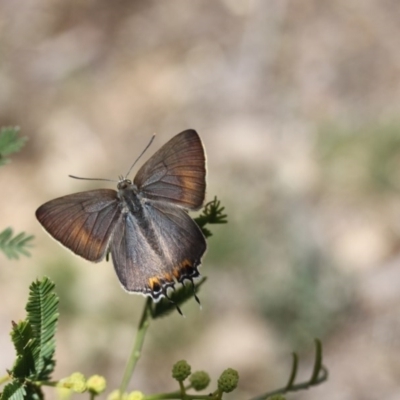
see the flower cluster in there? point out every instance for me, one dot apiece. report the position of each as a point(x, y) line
point(200, 380)
point(77, 383)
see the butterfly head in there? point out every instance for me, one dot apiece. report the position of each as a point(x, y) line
point(125, 183)
point(129, 195)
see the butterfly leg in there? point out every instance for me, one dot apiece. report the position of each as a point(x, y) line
point(194, 291)
point(172, 301)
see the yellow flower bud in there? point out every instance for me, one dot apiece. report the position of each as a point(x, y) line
point(96, 384)
point(76, 382)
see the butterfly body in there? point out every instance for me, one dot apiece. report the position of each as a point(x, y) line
point(144, 224)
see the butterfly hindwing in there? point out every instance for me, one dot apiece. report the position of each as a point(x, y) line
point(152, 256)
point(176, 172)
point(83, 222)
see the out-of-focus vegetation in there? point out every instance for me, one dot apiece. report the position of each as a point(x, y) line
point(362, 161)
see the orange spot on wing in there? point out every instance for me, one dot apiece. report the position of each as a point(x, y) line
point(154, 284)
point(183, 268)
point(168, 277)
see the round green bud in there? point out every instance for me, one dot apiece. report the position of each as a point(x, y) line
point(136, 395)
point(199, 380)
point(75, 382)
point(181, 370)
point(277, 397)
point(228, 380)
point(231, 371)
point(96, 384)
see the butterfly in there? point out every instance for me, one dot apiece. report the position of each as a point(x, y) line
point(144, 225)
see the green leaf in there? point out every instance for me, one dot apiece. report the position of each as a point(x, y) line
point(21, 334)
point(42, 309)
point(9, 143)
point(176, 298)
point(34, 338)
point(13, 391)
point(34, 393)
point(22, 337)
point(34, 343)
point(13, 247)
point(212, 214)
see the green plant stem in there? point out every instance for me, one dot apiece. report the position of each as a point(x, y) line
point(177, 395)
point(44, 383)
point(294, 388)
point(137, 347)
point(183, 391)
point(4, 379)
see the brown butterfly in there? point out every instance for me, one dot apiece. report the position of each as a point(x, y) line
point(145, 224)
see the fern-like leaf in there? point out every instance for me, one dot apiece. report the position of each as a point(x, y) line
point(22, 337)
point(9, 143)
point(42, 309)
point(13, 391)
point(13, 247)
point(212, 213)
point(34, 343)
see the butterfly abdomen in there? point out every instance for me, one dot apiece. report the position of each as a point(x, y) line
point(134, 205)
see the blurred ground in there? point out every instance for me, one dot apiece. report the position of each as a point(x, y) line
point(297, 102)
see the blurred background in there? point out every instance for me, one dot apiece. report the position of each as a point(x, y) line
point(297, 102)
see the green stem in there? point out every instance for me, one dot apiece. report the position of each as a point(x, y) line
point(44, 383)
point(183, 391)
point(294, 388)
point(137, 347)
point(218, 394)
point(177, 396)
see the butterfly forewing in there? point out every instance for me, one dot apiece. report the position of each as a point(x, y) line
point(83, 222)
point(176, 173)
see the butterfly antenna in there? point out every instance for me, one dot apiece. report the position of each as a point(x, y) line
point(148, 145)
point(92, 179)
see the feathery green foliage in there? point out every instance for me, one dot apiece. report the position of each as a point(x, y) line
point(42, 309)
point(13, 247)
point(34, 343)
point(14, 391)
point(9, 143)
point(212, 214)
point(22, 336)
